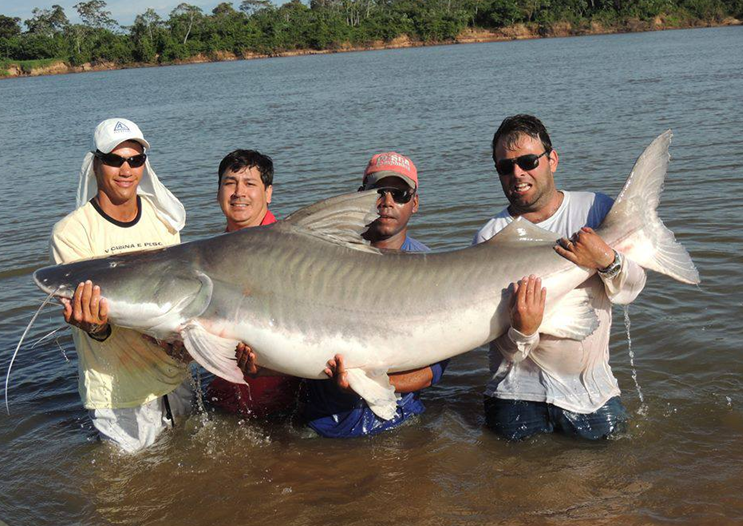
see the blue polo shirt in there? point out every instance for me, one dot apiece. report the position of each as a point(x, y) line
point(334, 413)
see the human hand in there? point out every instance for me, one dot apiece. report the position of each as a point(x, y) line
point(527, 305)
point(87, 310)
point(176, 350)
point(336, 371)
point(246, 360)
point(586, 249)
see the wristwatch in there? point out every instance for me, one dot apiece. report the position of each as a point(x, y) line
point(613, 268)
point(101, 333)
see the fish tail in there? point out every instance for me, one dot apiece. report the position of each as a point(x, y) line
point(633, 227)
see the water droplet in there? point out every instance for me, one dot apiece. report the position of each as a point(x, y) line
point(643, 410)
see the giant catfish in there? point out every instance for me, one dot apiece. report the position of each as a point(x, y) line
point(303, 289)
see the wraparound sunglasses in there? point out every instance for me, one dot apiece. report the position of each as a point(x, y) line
point(526, 162)
point(111, 159)
point(398, 195)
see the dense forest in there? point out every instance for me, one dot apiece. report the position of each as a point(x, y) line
point(260, 27)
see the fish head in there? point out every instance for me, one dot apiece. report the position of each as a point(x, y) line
point(146, 291)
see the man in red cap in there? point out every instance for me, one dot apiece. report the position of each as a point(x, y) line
point(333, 409)
point(395, 178)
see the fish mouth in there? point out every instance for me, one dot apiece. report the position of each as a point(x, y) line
point(49, 282)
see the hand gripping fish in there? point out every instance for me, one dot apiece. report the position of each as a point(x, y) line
point(308, 287)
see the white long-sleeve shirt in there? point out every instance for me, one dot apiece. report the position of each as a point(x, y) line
point(573, 375)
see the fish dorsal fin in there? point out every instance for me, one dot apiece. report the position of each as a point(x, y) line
point(522, 232)
point(341, 219)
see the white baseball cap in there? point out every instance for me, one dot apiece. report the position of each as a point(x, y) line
point(112, 132)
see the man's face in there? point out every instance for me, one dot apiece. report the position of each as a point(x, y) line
point(243, 198)
point(528, 191)
point(120, 183)
point(393, 217)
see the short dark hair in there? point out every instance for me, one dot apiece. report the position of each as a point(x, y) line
point(513, 127)
point(240, 159)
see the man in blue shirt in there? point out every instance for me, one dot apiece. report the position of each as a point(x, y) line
point(332, 409)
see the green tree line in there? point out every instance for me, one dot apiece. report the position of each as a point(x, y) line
point(258, 26)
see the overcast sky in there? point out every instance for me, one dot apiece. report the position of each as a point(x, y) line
point(123, 11)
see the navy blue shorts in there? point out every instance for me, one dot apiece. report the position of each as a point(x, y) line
point(519, 419)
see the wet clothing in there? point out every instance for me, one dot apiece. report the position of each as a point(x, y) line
point(264, 395)
point(518, 419)
point(135, 428)
point(333, 413)
point(124, 370)
point(122, 380)
point(572, 375)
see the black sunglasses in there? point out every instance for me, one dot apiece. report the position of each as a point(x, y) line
point(398, 195)
point(525, 162)
point(111, 159)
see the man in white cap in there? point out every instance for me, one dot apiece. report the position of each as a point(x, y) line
point(132, 388)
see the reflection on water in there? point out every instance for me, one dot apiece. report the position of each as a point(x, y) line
point(603, 98)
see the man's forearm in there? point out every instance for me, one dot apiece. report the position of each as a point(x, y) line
point(410, 381)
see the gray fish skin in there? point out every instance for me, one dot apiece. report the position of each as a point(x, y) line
point(299, 297)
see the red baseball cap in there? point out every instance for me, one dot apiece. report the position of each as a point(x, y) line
point(391, 164)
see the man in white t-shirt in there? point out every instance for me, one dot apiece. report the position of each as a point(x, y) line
point(132, 388)
point(541, 383)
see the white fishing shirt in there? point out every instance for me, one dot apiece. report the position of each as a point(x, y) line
point(573, 375)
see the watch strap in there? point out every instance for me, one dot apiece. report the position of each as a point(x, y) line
point(613, 268)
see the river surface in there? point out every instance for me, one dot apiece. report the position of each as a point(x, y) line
point(603, 98)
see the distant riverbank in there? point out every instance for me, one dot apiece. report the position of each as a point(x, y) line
point(34, 68)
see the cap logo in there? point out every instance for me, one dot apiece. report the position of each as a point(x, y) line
point(395, 160)
point(121, 127)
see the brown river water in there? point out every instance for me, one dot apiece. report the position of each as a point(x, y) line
point(603, 98)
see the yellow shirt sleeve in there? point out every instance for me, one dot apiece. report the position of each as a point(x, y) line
point(70, 242)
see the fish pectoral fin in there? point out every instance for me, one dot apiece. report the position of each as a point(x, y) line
point(374, 387)
point(213, 353)
point(572, 317)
